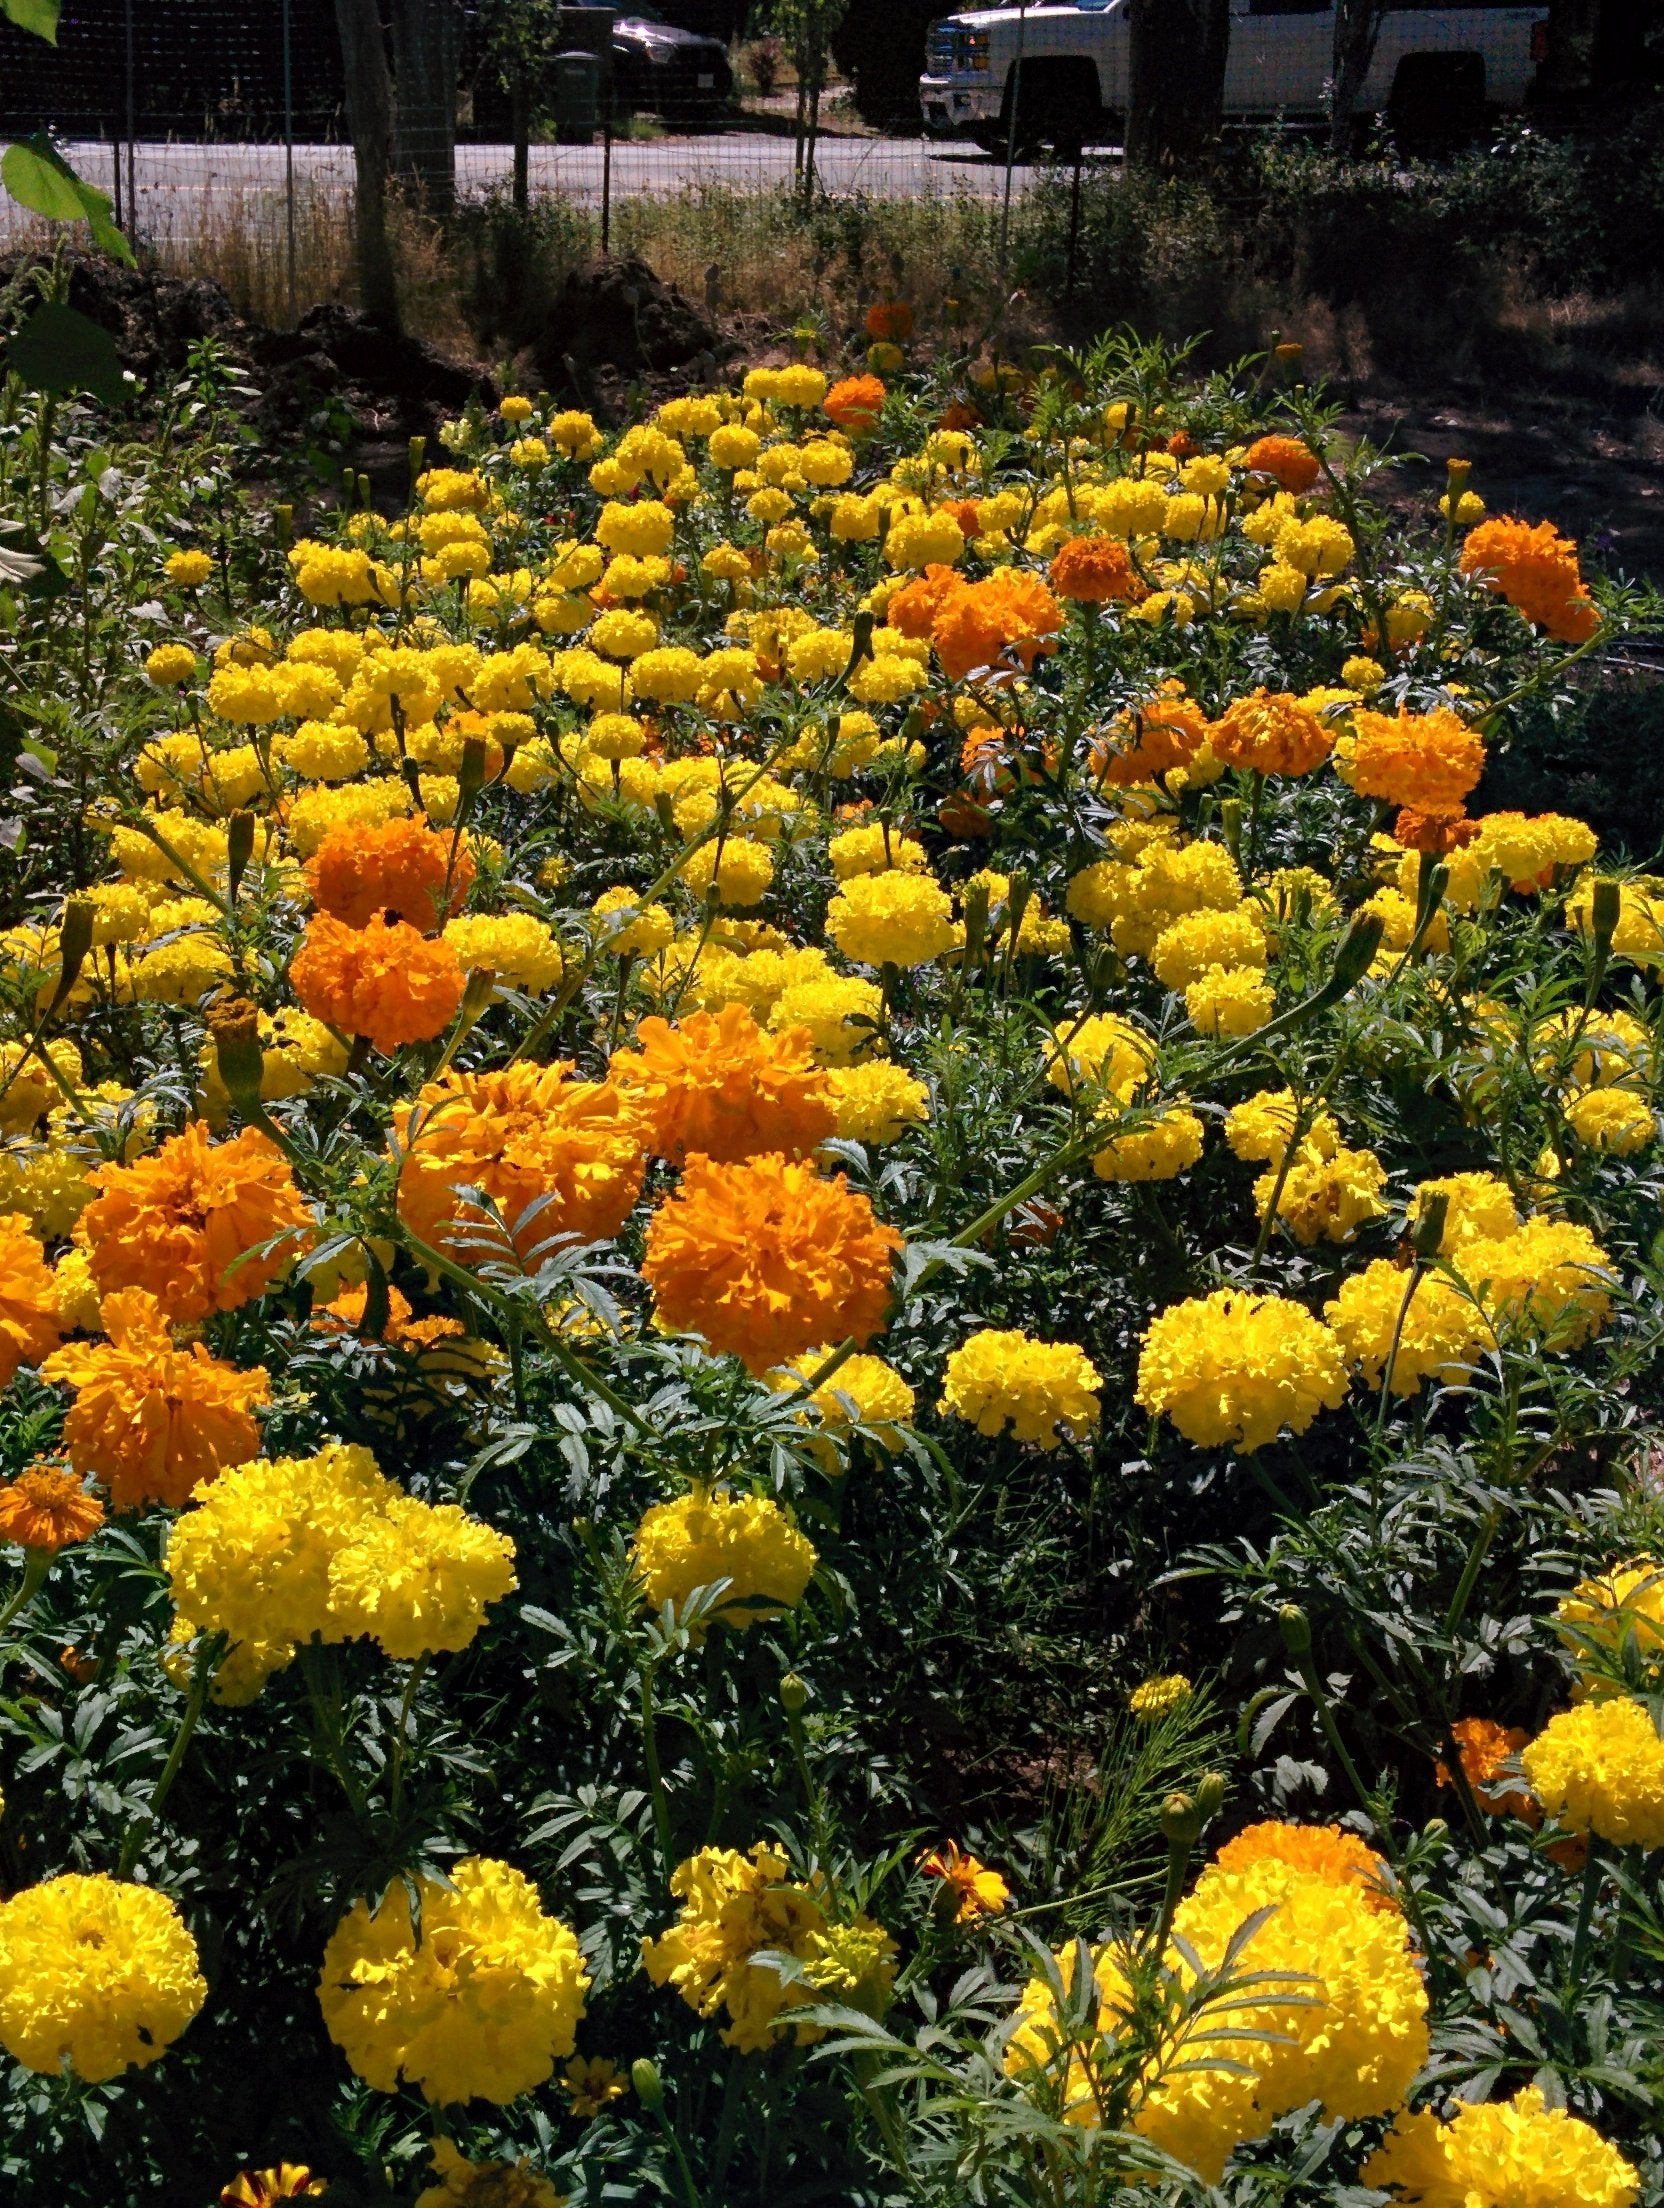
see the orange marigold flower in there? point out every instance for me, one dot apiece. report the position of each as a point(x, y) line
point(398, 868)
point(344, 1314)
point(47, 1508)
point(1436, 833)
point(150, 1419)
point(975, 1890)
point(1536, 570)
point(1485, 1747)
point(1096, 571)
point(1010, 614)
point(914, 608)
point(384, 981)
point(767, 1259)
point(191, 1222)
point(28, 1298)
point(889, 321)
point(855, 403)
point(1429, 761)
point(1325, 1851)
point(722, 1087)
point(1292, 465)
point(1272, 733)
point(1148, 741)
point(522, 1135)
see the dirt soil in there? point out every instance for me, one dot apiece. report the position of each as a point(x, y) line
point(1596, 472)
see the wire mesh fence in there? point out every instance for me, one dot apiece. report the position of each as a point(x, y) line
point(221, 131)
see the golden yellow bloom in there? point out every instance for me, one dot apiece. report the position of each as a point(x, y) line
point(974, 1889)
point(1236, 1368)
point(708, 1537)
point(1502, 2154)
point(1003, 1377)
point(1599, 1768)
point(94, 1973)
point(1158, 1697)
point(722, 1088)
point(48, 1509)
point(481, 2005)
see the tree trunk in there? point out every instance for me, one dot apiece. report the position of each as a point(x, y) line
point(370, 120)
point(1357, 27)
point(425, 67)
point(1176, 80)
point(520, 102)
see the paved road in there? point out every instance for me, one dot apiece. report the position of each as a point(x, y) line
point(174, 185)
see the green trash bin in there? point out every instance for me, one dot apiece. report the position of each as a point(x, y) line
point(577, 90)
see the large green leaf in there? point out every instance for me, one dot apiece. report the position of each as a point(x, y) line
point(39, 178)
point(59, 350)
point(39, 16)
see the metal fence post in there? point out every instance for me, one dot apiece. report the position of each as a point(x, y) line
point(132, 131)
point(289, 159)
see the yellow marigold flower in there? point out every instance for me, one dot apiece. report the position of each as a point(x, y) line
point(1599, 1769)
point(1320, 1851)
point(416, 1578)
point(591, 2083)
point(874, 849)
point(1639, 934)
point(876, 1101)
point(150, 1420)
point(48, 1509)
point(1502, 2154)
point(840, 1012)
point(481, 2005)
point(1102, 1050)
point(1615, 1121)
point(1549, 1277)
point(1438, 1332)
point(1158, 1697)
point(27, 1089)
point(721, 1087)
point(465, 2184)
point(1236, 1368)
point(1003, 1377)
point(863, 1389)
point(1620, 1612)
point(266, 2188)
point(1532, 850)
point(518, 948)
point(187, 570)
point(1363, 674)
point(629, 928)
point(169, 665)
point(767, 1257)
point(315, 812)
point(95, 1973)
point(1260, 1128)
point(974, 1889)
point(1480, 1208)
point(1229, 1000)
point(918, 541)
point(709, 1536)
point(740, 870)
point(204, 1226)
point(1199, 942)
point(252, 1559)
point(1324, 1197)
point(1159, 1150)
point(892, 919)
point(523, 1135)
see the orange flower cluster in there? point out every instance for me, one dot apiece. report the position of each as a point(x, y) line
point(1149, 740)
point(1009, 615)
point(383, 980)
point(1485, 1748)
point(855, 403)
point(28, 1298)
point(1293, 466)
point(1427, 761)
point(47, 1508)
point(1536, 570)
point(890, 321)
point(398, 868)
point(1436, 833)
point(192, 1221)
point(1323, 1851)
point(522, 1135)
point(1096, 571)
point(967, 1883)
point(767, 1259)
point(150, 1420)
point(721, 1087)
point(1271, 732)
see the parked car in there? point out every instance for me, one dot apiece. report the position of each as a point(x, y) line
point(663, 70)
point(1437, 70)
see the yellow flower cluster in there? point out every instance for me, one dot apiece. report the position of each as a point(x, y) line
point(95, 1973)
point(1044, 1391)
point(743, 1548)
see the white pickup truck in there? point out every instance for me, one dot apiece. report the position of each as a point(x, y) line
point(1435, 68)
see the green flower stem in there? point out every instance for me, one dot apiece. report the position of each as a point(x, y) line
point(36, 1564)
point(326, 1711)
point(133, 1838)
point(655, 1773)
point(401, 1736)
point(1592, 1869)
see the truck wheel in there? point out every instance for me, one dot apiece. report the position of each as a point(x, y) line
point(1437, 103)
point(1057, 107)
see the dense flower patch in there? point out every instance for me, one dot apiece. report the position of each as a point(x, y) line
point(832, 1330)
